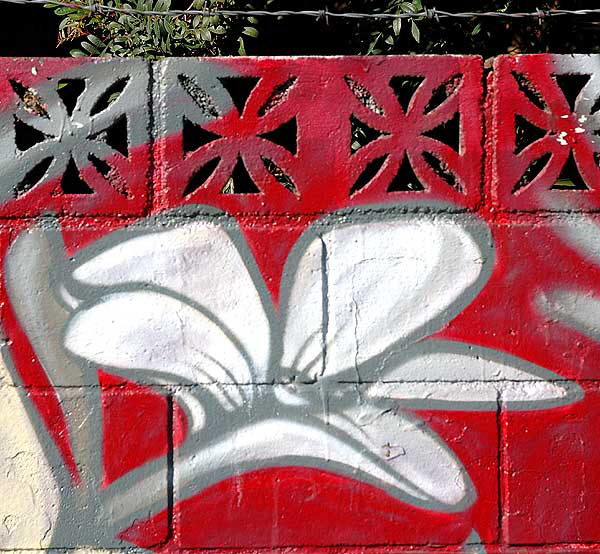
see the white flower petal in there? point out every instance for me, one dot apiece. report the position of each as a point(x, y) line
point(584, 236)
point(155, 332)
point(425, 474)
point(208, 262)
point(303, 308)
point(464, 377)
point(377, 284)
point(394, 452)
point(416, 462)
point(578, 309)
point(29, 264)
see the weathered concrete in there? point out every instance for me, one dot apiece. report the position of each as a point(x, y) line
point(300, 305)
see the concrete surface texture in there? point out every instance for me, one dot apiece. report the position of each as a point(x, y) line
point(300, 304)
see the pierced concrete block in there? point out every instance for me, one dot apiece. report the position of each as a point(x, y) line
point(74, 137)
point(544, 132)
point(306, 135)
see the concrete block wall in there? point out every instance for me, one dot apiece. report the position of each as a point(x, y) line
point(300, 305)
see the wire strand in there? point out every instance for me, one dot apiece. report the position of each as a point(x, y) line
point(431, 13)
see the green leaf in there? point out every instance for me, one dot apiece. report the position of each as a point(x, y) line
point(205, 35)
point(91, 49)
point(250, 31)
point(241, 48)
point(76, 53)
point(414, 30)
point(397, 26)
point(95, 41)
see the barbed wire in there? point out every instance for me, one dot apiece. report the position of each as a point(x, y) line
point(426, 13)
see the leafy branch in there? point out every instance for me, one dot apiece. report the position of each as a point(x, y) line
point(120, 35)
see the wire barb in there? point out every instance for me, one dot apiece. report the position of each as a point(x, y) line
point(432, 14)
point(541, 15)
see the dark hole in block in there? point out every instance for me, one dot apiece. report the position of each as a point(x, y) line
point(240, 181)
point(115, 135)
point(442, 171)
point(109, 96)
point(526, 133)
point(405, 180)
point(72, 183)
point(239, 88)
point(529, 90)
point(19, 88)
point(102, 167)
point(30, 99)
point(110, 174)
point(33, 177)
point(571, 86)
point(199, 96)
point(368, 174)
point(570, 178)
point(443, 92)
point(27, 136)
point(532, 171)
point(595, 107)
point(362, 134)
point(278, 95)
point(201, 175)
point(364, 96)
point(69, 91)
point(194, 136)
point(447, 133)
point(404, 88)
point(285, 135)
point(280, 175)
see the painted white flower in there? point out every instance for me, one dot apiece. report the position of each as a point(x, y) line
point(577, 308)
point(322, 382)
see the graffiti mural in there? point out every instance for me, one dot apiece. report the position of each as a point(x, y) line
point(260, 303)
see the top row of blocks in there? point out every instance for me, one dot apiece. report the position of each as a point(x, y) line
point(298, 136)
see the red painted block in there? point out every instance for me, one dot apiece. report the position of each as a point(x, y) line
point(550, 481)
point(543, 133)
point(74, 137)
point(309, 135)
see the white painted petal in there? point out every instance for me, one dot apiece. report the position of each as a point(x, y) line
point(29, 266)
point(464, 377)
point(303, 309)
point(577, 309)
point(410, 459)
point(150, 331)
point(584, 236)
point(384, 282)
point(415, 467)
point(205, 261)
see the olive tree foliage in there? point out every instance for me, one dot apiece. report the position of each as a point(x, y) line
point(122, 35)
